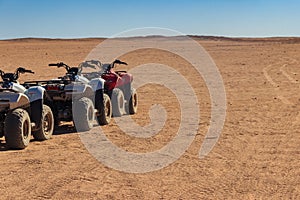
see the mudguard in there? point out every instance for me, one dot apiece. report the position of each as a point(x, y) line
point(35, 93)
point(36, 96)
point(11, 100)
point(98, 88)
point(99, 100)
point(97, 84)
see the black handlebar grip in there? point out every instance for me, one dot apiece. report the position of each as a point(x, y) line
point(29, 71)
point(53, 64)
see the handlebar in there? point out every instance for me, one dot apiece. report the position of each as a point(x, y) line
point(119, 62)
point(23, 70)
point(72, 72)
point(90, 64)
point(11, 77)
point(29, 71)
point(53, 64)
point(96, 63)
point(61, 64)
point(112, 65)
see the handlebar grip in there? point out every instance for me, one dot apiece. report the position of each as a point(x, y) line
point(53, 64)
point(29, 71)
point(119, 62)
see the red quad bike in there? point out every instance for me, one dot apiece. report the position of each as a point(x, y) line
point(118, 85)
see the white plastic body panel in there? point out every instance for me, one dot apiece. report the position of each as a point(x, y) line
point(18, 88)
point(13, 100)
point(35, 93)
point(97, 83)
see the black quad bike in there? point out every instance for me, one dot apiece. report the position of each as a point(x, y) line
point(75, 98)
point(23, 112)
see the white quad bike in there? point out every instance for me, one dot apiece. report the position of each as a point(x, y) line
point(22, 112)
point(75, 98)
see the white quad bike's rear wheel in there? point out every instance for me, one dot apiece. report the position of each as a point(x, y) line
point(118, 102)
point(46, 130)
point(17, 129)
point(83, 114)
point(105, 116)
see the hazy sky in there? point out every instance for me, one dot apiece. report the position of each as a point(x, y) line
point(84, 18)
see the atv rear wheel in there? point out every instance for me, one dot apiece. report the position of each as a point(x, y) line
point(118, 102)
point(83, 114)
point(133, 102)
point(46, 128)
point(104, 115)
point(17, 129)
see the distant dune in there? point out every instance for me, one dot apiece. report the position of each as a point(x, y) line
point(249, 39)
point(197, 37)
point(32, 39)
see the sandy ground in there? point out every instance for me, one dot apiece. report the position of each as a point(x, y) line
point(256, 157)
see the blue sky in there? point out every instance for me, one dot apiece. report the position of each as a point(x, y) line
point(84, 18)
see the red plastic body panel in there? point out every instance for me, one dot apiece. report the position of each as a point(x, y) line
point(116, 79)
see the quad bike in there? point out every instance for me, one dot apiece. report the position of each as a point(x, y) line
point(75, 98)
point(117, 85)
point(22, 112)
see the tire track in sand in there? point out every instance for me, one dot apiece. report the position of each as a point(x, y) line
point(282, 69)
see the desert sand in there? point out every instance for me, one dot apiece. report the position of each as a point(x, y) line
point(256, 157)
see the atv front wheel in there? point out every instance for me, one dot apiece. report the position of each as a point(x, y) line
point(83, 114)
point(118, 102)
point(104, 115)
point(46, 128)
point(17, 129)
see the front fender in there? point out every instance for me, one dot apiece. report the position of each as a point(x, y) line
point(36, 97)
point(35, 93)
point(97, 84)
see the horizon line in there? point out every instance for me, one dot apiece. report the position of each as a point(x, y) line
point(149, 36)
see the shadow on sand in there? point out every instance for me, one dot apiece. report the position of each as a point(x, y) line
point(58, 130)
